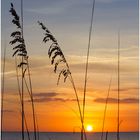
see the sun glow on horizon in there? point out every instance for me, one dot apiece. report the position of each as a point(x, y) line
point(89, 128)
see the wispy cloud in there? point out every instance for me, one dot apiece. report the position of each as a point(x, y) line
point(55, 8)
point(126, 89)
point(100, 67)
point(42, 100)
point(115, 100)
point(47, 11)
point(106, 1)
point(49, 97)
point(51, 7)
point(8, 111)
point(49, 94)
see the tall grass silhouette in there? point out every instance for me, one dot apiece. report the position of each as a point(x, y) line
point(87, 62)
point(106, 136)
point(118, 125)
point(3, 89)
point(19, 92)
point(21, 52)
point(56, 55)
point(105, 109)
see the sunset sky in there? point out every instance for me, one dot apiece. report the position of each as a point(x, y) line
point(69, 20)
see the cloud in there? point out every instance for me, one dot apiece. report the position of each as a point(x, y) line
point(55, 7)
point(8, 111)
point(41, 65)
point(100, 67)
point(106, 1)
point(42, 100)
point(49, 97)
point(45, 95)
point(115, 100)
point(126, 89)
point(93, 67)
point(48, 10)
point(50, 7)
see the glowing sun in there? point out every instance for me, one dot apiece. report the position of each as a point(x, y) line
point(89, 128)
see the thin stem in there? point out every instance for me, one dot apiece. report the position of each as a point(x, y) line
point(33, 109)
point(22, 97)
point(17, 75)
point(37, 127)
point(28, 134)
point(22, 18)
point(32, 101)
point(22, 71)
point(87, 60)
point(69, 75)
point(78, 103)
point(77, 98)
point(2, 92)
point(106, 137)
point(24, 57)
point(27, 86)
point(105, 109)
point(118, 128)
point(29, 89)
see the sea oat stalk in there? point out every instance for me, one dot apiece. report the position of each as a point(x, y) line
point(56, 55)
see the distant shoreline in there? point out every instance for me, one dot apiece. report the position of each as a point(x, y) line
point(68, 132)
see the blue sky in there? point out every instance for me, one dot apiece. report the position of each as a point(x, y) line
point(70, 18)
point(69, 21)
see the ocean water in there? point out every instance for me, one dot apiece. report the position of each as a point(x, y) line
point(70, 136)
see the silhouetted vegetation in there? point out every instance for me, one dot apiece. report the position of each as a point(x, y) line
point(21, 52)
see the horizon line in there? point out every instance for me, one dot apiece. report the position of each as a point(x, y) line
point(69, 132)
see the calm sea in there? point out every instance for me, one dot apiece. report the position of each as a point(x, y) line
point(70, 136)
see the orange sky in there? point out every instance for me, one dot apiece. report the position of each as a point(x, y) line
point(62, 115)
